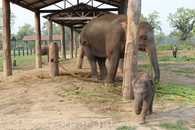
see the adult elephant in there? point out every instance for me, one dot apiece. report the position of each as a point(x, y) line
point(105, 37)
point(45, 51)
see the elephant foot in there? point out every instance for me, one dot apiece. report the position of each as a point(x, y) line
point(110, 84)
point(142, 122)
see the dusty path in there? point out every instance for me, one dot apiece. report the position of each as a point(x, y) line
point(31, 100)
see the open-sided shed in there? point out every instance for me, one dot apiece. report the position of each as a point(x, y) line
point(37, 6)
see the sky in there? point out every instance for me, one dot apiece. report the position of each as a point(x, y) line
point(163, 7)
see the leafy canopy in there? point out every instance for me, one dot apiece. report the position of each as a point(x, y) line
point(153, 20)
point(13, 17)
point(183, 23)
point(26, 30)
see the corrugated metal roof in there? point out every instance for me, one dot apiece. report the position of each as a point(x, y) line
point(35, 5)
point(43, 38)
point(76, 16)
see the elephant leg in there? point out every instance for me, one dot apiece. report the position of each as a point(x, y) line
point(103, 69)
point(92, 61)
point(150, 107)
point(114, 60)
point(143, 114)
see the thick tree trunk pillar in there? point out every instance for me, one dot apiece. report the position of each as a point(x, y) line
point(7, 65)
point(71, 43)
point(50, 31)
point(80, 58)
point(63, 45)
point(123, 10)
point(53, 59)
point(131, 48)
point(38, 40)
point(14, 63)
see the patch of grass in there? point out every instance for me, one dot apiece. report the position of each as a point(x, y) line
point(174, 126)
point(179, 59)
point(126, 128)
point(185, 70)
point(175, 92)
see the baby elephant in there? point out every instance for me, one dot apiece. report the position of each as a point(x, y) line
point(144, 90)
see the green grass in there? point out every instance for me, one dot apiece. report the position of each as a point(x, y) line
point(179, 59)
point(126, 128)
point(174, 126)
point(185, 70)
point(175, 93)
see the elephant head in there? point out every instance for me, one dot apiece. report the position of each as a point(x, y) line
point(146, 43)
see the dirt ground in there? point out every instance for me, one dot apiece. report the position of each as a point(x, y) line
point(31, 100)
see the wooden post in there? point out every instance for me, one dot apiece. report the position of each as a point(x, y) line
point(123, 10)
point(14, 63)
point(38, 40)
point(71, 43)
point(7, 64)
point(53, 59)
point(63, 44)
point(131, 48)
point(74, 43)
point(50, 31)
point(80, 58)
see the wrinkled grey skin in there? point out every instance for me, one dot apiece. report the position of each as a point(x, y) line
point(144, 91)
point(105, 37)
point(45, 51)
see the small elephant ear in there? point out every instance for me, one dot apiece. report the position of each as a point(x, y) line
point(124, 24)
point(150, 83)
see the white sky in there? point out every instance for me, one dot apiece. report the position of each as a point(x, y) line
point(164, 7)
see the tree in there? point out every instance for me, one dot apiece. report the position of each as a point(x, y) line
point(183, 21)
point(55, 27)
point(160, 37)
point(13, 17)
point(152, 19)
point(26, 30)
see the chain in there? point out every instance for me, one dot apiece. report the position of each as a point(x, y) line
point(86, 79)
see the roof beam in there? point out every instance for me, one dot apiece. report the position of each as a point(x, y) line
point(23, 5)
point(79, 10)
point(72, 18)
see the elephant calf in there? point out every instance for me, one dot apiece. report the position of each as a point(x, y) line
point(144, 90)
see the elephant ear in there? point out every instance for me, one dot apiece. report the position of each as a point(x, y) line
point(150, 83)
point(124, 25)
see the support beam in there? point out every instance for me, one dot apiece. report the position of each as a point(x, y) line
point(50, 30)
point(63, 44)
point(7, 64)
point(71, 42)
point(131, 48)
point(38, 40)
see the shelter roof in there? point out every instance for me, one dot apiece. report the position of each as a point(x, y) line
point(37, 5)
point(43, 38)
point(12, 38)
point(76, 16)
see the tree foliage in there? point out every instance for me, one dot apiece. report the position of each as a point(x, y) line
point(183, 23)
point(26, 30)
point(13, 17)
point(153, 20)
point(55, 28)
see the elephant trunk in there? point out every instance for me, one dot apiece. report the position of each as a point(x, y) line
point(138, 104)
point(154, 60)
